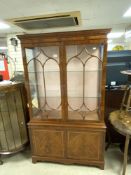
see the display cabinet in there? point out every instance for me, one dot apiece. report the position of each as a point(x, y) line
point(65, 80)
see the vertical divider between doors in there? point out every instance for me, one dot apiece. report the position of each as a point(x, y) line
point(63, 80)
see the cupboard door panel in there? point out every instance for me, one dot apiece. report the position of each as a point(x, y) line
point(84, 145)
point(48, 143)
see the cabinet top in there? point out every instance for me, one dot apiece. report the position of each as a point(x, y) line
point(85, 35)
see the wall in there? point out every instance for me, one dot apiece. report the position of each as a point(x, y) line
point(15, 54)
point(125, 42)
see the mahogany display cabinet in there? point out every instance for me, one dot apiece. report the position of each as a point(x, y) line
point(65, 82)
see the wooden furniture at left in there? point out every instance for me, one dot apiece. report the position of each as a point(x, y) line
point(13, 118)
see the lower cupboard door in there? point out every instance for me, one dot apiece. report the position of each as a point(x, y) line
point(48, 143)
point(85, 145)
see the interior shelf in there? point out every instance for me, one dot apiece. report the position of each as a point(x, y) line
point(70, 97)
point(73, 115)
point(52, 71)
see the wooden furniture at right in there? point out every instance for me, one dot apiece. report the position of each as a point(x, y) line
point(113, 100)
point(121, 119)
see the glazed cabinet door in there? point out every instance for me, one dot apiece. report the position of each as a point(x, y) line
point(84, 68)
point(43, 67)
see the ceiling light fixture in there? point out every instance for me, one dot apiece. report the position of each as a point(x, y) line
point(4, 26)
point(3, 48)
point(115, 35)
point(127, 13)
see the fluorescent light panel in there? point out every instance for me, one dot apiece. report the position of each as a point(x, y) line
point(115, 35)
point(4, 26)
point(127, 13)
point(3, 48)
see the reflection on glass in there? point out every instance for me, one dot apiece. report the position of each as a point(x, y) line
point(44, 78)
point(84, 64)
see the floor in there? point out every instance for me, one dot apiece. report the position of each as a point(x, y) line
point(21, 164)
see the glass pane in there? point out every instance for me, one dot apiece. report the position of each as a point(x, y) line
point(84, 64)
point(44, 78)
